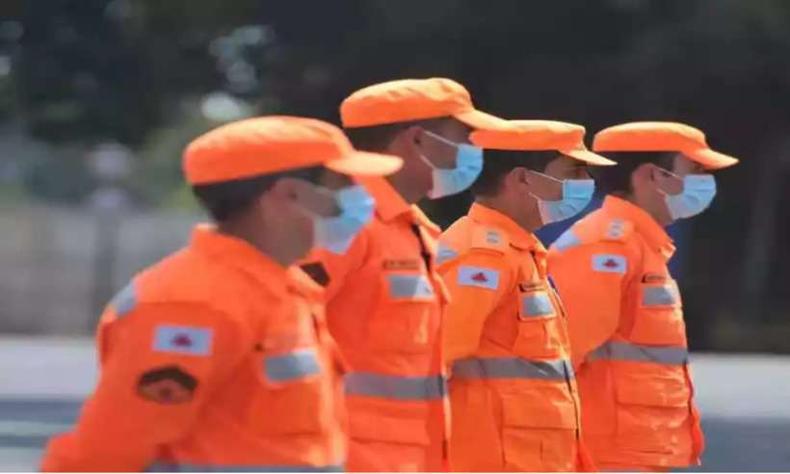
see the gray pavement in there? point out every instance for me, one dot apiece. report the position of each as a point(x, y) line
point(745, 402)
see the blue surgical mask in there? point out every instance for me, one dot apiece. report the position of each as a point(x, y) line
point(576, 195)
point(698, 192)
point(468, 165)
point(337, 232)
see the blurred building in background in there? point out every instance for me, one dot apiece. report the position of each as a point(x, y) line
point(140, 78)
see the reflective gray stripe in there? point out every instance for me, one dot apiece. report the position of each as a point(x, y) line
point(512, 368)
point(658, 295)
point(536, 304)
point(294, 365)
point(173, 467)
point(395, 387)
point(410, 286)
point(625, 351)
point(124, 301)
point(445, 253)
point(567, 240)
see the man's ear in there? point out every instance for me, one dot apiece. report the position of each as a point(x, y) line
point(518, 176)
point(643, 175)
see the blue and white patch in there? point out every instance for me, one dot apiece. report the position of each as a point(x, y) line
point(188, 340)
point(478, 276)
point(444, 254)
point(567, 240)
point(609, 263)
point(536, 304)
point(664, 295)
point(493, 237)
point(410, 286)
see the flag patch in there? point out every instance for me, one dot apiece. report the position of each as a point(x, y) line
point(609, 263)
point(189, 340)
point(478, 276)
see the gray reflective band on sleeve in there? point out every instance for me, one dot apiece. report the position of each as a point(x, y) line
point(180, 467)
point(410, 286)
point(625, 351)
point(658, 296)
point(444, 253)
point(537, 304)
point(512, 368)
point(293, 365)
point(395, 387)
point(124, 301)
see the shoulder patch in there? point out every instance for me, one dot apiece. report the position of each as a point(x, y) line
point(124, 301)
point(444, 253)
point(479, 277)
point(567, 240)
point(609, 263)
point(187, 340)
point(487, 238)
point(617, 230)
point(168, 385)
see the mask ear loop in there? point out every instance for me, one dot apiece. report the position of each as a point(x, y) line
point(666, 172)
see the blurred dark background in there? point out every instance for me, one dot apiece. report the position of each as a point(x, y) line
point(98, 97)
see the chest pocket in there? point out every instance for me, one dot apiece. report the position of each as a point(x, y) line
point(539, 322)
point(408, 313)
point(659, 314)
point(294, 385)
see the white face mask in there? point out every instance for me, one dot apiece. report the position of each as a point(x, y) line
point(698, 192)
point(468, 165)
point(576, 195)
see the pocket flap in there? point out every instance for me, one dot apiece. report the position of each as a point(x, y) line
point(544, 407)
point(389, 429)
point(660, 390)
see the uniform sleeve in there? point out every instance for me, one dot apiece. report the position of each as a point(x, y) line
point(331, 270)
point(160, 364)
point(477, 282)
point(590, 280)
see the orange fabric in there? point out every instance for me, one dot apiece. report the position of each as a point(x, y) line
point(628, 339)
point(264, 145)
point(407, 100)
point(662, 136)
point(384, 305)
point(236, 323)
point(540, 135)
point(503, 315)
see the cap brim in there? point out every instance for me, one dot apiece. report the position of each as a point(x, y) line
point(711, 159)
point(589, 157)
point(482, 121)
point(362, 163)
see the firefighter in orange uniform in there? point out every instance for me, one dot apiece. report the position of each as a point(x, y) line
point(626, 323)
point(384, 298)
point(512, 389)
point(218, 357)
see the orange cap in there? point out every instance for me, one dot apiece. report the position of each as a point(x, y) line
point(662, 136)
point(539, 135)
point(264, 145)
point(406, 100)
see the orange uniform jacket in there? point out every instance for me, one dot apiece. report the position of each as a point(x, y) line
point(217, 358)
point(512, 389)
point(384, 306)
point(628, 339)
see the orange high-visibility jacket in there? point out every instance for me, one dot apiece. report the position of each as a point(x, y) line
point(216, 358)
point(628, 339)
point(512, 389)
point(384, 305)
